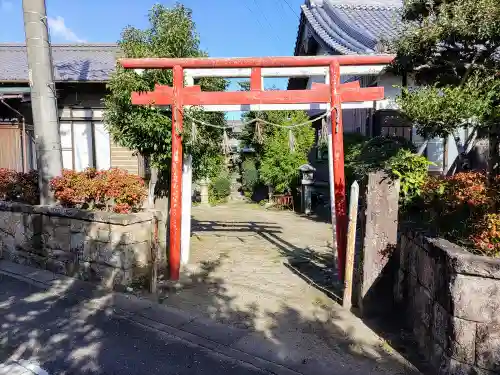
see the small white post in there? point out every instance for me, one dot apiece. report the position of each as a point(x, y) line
point(187, 191)
point(187, 182)
point(331, 179)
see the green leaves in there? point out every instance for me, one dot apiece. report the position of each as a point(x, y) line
point(279, 164)
point(452, 47)
point(171, 33)
point(442, 38)
point(411, 170)
point(438, 111)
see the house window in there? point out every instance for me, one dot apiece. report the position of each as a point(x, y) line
point(85, 144)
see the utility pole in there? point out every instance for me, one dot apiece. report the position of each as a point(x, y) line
point(43, 96)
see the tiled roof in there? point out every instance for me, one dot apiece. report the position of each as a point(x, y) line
point(72, 62)
point(352, 26)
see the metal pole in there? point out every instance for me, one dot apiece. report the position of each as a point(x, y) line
point(176, 179)
point(351, 245)
point(43, 96)
point(338, 167)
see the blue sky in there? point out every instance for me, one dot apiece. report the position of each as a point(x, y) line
point(228, 28)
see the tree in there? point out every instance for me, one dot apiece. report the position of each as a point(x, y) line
point(445, 40)
point(148, 130)
point(279, 162)
point(452, 47)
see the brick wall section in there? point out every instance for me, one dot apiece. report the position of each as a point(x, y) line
point(123, 158)
point(452, 302)
point(111, 249)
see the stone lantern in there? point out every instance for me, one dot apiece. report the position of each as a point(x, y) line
point(307, 176)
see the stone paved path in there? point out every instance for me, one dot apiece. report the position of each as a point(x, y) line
point(238, 275)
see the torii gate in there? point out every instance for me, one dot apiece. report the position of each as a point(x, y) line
point(332, 93)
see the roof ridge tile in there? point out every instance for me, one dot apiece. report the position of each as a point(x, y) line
point(366, 6)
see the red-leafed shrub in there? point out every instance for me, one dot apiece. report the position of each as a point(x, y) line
point(18, 186)
point(464, 208)
point(486, 236)
point(112, 189)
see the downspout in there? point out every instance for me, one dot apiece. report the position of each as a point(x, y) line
point(23, 124)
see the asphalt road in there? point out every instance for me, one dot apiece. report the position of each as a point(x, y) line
point(68, 337)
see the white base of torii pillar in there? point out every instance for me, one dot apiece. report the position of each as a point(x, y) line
point(187, 203)
point(187, 183)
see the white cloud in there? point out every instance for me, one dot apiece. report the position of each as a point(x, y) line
point(6, 5)
point(59, 28)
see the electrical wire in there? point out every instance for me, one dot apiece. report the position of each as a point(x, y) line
point(291, 8)
point(305, 123)
point(276, 35)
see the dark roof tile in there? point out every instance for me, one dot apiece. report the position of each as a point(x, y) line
point(72, 62)
point(353, 26)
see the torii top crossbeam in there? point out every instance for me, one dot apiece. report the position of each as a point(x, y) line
point(333, 93)
point(255, 62)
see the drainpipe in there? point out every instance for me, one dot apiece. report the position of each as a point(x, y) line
point(23, 123)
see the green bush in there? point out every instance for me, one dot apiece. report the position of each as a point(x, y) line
point(394, 155)
point(219, 190)
point(411, 170)
point(376, 153)
point(249, 175)
point(280, 165)
point(353, 144)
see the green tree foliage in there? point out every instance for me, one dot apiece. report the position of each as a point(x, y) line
point(279, 163)
point(442, 38)
point(171, 33)
point(219, 189)
point(248, 136)
point(439, 111)
point(452, 47)
point(411, 170)
point(249, 175)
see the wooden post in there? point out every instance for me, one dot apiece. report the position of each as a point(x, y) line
point(153, 285)
point(351, 245)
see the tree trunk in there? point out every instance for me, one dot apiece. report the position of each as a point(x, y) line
point(494, 152)
point(422, 147)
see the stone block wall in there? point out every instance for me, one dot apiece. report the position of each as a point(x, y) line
point(452, 303)
point(112, 249)
point(378, 224)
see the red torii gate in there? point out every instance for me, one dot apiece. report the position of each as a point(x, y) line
point(178, 96)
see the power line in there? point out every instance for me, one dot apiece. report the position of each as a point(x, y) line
point(269, 23)
point(291, 8)
point(251, 11)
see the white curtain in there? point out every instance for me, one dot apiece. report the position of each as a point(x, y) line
point(102, 146)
